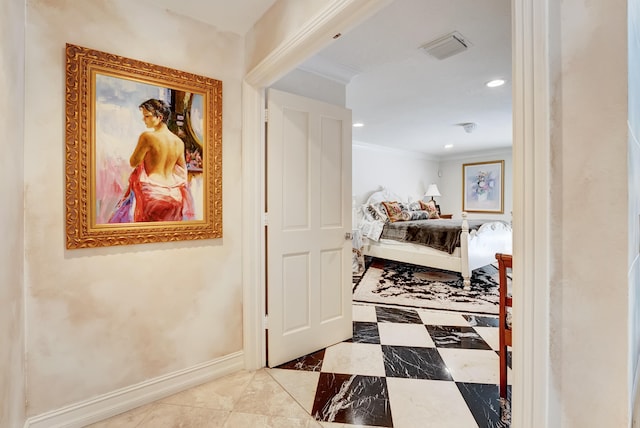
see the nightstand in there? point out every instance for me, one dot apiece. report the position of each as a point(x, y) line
point(446, 215)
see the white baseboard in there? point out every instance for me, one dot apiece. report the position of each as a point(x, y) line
point(90, 411)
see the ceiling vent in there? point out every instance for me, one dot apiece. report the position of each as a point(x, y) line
point(446, 46)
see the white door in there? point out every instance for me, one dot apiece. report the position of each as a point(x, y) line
point(309, 219)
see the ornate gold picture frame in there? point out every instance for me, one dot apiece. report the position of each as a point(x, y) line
point(143, 152)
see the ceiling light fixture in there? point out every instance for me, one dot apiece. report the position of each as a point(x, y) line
point(358, 125)
point(448, 146)
point(469, 127)
point(495, 83)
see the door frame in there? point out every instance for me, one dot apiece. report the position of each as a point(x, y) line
point(531, 168)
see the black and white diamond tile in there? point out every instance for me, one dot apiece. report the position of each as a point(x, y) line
point(404, 335)
point(397, 315)
point(365, 332)
point(484, 402)
point(481, 321)
point(406, 368)
point(456, 337)
point(352, 399)
point(311, 362)
point(414, 363)
point(428, 403)
point(354, 358)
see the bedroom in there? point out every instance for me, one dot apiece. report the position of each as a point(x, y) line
point(420, 115)
point(408, 162)
point(411, 105)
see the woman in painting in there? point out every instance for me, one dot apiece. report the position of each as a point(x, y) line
point(158, 186)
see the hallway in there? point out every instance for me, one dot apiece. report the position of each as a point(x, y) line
point(404, 368)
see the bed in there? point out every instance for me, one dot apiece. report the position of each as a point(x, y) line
point(458, 245)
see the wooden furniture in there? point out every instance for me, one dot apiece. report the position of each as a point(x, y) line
point(504, 263)
point(446, 215)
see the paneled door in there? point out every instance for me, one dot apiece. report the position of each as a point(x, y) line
point(308, 226)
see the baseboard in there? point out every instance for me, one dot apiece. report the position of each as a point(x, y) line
point(90, 411)
point(634, 416)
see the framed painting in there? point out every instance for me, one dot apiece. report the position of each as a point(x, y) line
point(483, 187)
point(143, 152)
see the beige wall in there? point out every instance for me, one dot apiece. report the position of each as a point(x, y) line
point(11, 223)
point(281, 21)
point(634, 200)
point(102, 319)
point(589, 215)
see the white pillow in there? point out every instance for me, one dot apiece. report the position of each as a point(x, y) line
point(366, 214)
point(378, 212)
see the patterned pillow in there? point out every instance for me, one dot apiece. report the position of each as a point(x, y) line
point(420, 215)
point(395, 212)
point(378, 212)
point(430, 206)
point(414, 206)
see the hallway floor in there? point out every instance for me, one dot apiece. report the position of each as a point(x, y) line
point(404, 368)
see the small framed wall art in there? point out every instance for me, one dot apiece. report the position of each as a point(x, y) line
point(483, 187)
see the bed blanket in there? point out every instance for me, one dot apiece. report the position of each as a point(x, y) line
point(441, 234)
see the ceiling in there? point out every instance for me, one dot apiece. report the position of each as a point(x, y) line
point(406, 98)
point(236, 16)
point(410, 100)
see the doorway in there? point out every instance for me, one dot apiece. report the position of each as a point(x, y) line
point(530, 401)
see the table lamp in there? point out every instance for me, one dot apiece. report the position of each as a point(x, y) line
point(432, 191)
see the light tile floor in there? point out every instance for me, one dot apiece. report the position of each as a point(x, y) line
point(244, 399)
point(404, 368)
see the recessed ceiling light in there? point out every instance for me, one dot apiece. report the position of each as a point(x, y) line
point(358, 125)
point(448, 146)
point(495, 83)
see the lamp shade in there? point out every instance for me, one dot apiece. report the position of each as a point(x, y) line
point(432, 190)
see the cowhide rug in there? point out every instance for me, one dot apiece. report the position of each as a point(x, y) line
point(394, 283)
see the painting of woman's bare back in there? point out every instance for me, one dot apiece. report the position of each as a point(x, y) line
point(142, 173)
point(151, 155)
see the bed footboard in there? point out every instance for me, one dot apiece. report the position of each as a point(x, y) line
point(490, 239)
point(477, 249)
point(465, 269)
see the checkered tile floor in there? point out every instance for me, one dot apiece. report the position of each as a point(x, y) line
point(403, 368)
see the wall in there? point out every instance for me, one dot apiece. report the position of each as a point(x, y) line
point(12, 86)
point(313, 86)
point(102, 319)
point(281, 21)
point(450, 184)
point(633, 92)
point(589, 301)
point(408, 174)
